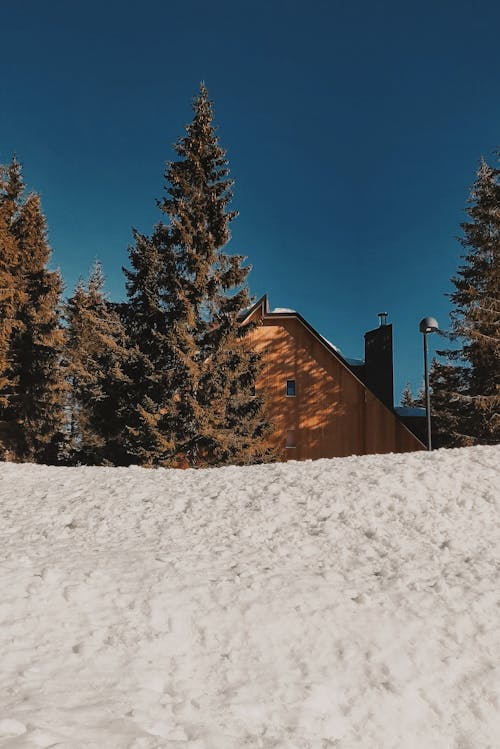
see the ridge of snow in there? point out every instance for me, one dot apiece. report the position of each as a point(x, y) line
point(349, 602)
point(283, 310)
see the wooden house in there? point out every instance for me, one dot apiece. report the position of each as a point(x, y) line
point(321, 404)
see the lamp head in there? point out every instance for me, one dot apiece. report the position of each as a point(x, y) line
point(428, 325)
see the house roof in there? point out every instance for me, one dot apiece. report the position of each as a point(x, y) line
point(278, 313)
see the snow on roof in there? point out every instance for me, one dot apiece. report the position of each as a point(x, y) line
point(353, 362)
point(333, 346)
point(409, 411)
point(210, 608)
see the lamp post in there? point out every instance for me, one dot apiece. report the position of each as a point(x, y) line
point(427, 325)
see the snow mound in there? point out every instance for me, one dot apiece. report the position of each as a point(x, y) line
point(347, 603)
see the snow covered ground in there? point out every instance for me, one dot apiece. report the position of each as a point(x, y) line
point(348, 603)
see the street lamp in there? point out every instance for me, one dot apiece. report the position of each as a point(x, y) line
point(428, 325)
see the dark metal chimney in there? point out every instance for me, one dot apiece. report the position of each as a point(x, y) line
point(378, 370)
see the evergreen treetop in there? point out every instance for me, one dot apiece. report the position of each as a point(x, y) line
point(215, 415)
point(407, 398)
point(476, 316)
point(97, 354)
point(40, 384)
point(11, 293)
point(473, 389)
point(185, 294)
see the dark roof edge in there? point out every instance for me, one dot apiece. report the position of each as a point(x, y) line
point(247, 313)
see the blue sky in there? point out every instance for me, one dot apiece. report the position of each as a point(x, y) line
point(353, 131)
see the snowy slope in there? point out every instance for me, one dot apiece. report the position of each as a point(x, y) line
point(348, 603)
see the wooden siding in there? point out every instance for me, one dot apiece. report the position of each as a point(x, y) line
point(333, 413)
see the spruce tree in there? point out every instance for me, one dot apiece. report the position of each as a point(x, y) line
point(8, 307)
point(471, 392)
point(195, 402)
point(407, 398)
point(39, 402)
point(450, 405)
point(420, 399)
point(9, 281)
point(214, 416)
point(96, 356)
point(10, 299)
point(146, 437)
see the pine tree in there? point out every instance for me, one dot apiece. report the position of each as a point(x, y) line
point(8, 307)
point(9, 286)
point(97, 356)
point(192, 401)
point(449, 405)
point(472, 391)
point(420, 399)
point(214, 417)
point(39, 402)
point(146, 436)
point(11, 190)
point(407, 398)
point(11, 298)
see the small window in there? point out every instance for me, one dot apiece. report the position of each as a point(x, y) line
point(290, 387)
point(290, 438)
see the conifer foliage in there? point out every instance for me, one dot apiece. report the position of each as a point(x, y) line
point(97, 356)
point(450, 405)
point(10, 294)
point(32, 385)
point(185, 297)
point(41, 389)
point(145, 437)
point(466, 391)
point(409, 400)
point(166, 378)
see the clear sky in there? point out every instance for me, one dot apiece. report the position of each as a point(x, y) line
point(353, 131)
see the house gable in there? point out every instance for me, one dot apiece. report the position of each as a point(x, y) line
point(332, 413)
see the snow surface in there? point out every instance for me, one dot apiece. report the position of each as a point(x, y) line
point(283, 310)
point(348, 603)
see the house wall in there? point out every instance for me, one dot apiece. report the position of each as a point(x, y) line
point(332, 413)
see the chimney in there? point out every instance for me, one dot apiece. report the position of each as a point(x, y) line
point(378, 369)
